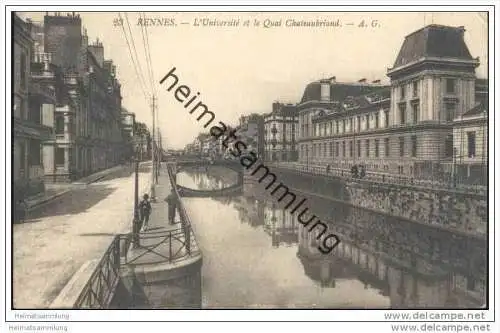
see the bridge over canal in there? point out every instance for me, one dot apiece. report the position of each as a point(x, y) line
point(192, 163)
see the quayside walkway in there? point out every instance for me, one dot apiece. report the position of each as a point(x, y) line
point(157, 268)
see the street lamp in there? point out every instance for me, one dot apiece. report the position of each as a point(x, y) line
point(136, 227)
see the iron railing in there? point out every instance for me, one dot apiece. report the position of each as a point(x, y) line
point(163, 246)
point(378, 177)
point(99, 289)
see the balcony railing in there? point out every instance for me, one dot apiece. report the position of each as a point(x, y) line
point(42, 57)
point(36, 88)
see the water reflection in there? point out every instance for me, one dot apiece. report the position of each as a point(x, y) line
point(208, 178)
point(256, 254)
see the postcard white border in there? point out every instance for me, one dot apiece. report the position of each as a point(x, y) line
point(237, 315)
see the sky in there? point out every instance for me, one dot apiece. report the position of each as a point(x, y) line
point(244, 69)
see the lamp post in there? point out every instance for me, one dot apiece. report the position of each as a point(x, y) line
point(136, 222)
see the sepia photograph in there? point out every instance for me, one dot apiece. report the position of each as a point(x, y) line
point(267, 159)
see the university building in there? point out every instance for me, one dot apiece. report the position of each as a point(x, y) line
point(410, 127)
point(280, 132)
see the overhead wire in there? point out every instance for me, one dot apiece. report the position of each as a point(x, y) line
point(138, 74)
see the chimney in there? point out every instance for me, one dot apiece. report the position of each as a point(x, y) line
point(325, 90)
point(276, 106)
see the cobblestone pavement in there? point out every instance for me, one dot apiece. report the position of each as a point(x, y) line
point(58, 237)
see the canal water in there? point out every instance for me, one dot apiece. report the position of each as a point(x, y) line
point(257, 255)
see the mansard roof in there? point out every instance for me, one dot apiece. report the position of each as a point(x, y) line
point(338, 91)
point(433, 41)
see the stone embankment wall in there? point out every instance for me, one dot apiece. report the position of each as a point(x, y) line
point(452, 210)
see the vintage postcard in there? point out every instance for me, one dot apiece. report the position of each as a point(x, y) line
point(250, 159)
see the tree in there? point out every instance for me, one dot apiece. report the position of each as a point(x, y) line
point(141, 130)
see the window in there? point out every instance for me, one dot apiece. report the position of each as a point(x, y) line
point(401, 146)
point(59, 156)
point(386, 116)
point(343, 148)
point(23, 71)
point(402, 113)
point(344, 122)
point(376, 147)
point(377, 116)
point(415, 88)
point(337, 149)
point(359, 148)
point(359, 123)
point(22, 156)
point(337, 126)
point(22, 108)
point(450, 86)
point(386, 148)
point(402, 92)
point(414, 146)
point(367, 121)
point(471, 144)
point(324, 149)
point(416, 112)
point(351, 149)
point(35, 153)
point(331, 127)
point(448, 146)
point(351, 125)
point(450, 111)
point(331, 149)
point(59, 125)
point(367, 142)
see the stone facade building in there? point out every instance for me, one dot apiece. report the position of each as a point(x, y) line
point(331, 119)
point(405, 128)
point(87, 120)
point(33, 107)
point(280, 133)
point(251, 132)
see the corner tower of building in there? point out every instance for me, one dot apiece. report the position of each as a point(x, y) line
point(435, 70)
point(432, 83)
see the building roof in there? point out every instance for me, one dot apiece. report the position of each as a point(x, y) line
point(433, 41)
point(475, 111)
point(338, 91)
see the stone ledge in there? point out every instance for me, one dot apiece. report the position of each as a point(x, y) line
point(154, 273)
point(70, 293)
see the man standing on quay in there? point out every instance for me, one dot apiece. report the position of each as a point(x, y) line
point(172, 205)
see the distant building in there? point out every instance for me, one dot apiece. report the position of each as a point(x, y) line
point(32, 114)
point(127, 126)
point(280, 132)
point(251, 132)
